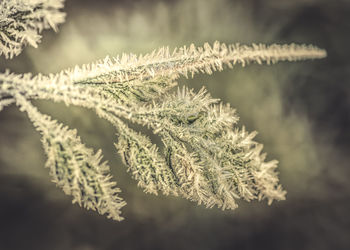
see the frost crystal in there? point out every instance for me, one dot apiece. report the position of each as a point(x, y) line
point(21, 21)
point(207, 158)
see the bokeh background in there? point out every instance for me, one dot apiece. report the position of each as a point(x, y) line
point(301, 111)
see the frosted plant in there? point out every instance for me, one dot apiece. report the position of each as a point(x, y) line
point(21, 21)
point(206, 157)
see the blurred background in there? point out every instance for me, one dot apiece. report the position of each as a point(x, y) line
point(301, 111)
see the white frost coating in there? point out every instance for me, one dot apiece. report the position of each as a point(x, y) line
point(74, 167)
point(21, 21)
point(189, 61)
point(206, 157)
point(6, 102)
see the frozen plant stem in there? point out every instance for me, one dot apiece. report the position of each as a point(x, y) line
point(206, 157)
